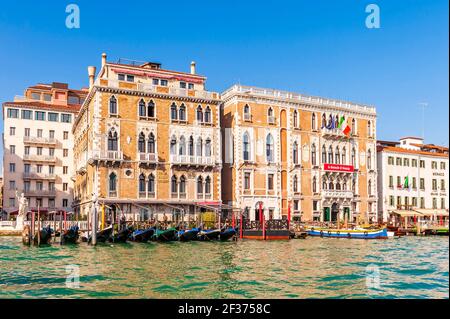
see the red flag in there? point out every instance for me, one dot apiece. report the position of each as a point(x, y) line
point(260, 212)
point(347, 130)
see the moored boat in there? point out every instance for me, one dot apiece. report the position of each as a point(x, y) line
point(169, 234)
point(209, 234)
point(349, 233)
point(102, 235)
point(227, 234)
point(121, 236)
point(45, 236)
point(188, 234)
point(142, 235)
point(70, 236)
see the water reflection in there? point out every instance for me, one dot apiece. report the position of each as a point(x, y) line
point(311, 268)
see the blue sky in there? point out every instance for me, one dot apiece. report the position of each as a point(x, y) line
point(316, 47)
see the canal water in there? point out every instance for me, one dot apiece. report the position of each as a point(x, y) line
point(409, 267)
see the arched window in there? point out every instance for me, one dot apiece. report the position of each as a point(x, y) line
point(270, 117)
point(353, 126)
point(182, 113)
point(247, 116)
point(112, 140)
point(295, 118)
point(338, 186)
point(191, 146)
point(330, 155)
point(173, 111)
point(324, 154)
point(182, 146)
point(324, 185)
point(369, 185)
point(336, 121)
point(142, 183)
point(151, 109)
point(141, 108)
point(330, 121)
point(208, 185)
point(324, 120)
point(344, 186)
point(246, 147)
point(182, 184)
point(330, 185)
point(344, 156)
point(369, 128)
point(173, 145)
point(353, 157)
point(295, 153)
point(295, 184)
point(208, 115)
point(369, 159)
point(313, 154)
point(208, 147)
point(151, 184)
point(313, 121)
point(174, 185)
point(314, 185)
point(151, 144)
point(112, 105)
point(199, 185)
point(112, 184)
point(199, 113)
point(141, 143)
point(199, 150)
point(337, 156)
point(269, 148)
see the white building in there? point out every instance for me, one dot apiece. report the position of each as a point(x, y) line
point(38, 147)
point(412, 176)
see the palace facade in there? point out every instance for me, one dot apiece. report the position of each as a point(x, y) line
point(285, 153)
point(147, 142)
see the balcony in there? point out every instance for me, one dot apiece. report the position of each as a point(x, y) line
point(337, 194)
point(39, 176)
point(39, 193)
point(147, 158)
point(39, 140)
point(39, 158)
point(105, 157)
point(192, 160)
point(333, 133)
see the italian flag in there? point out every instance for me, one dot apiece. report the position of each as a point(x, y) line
point(344, 126)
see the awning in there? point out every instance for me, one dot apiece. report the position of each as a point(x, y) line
point(433, 212)
point(406, 213)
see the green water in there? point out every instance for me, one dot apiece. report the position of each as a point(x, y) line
point(409, 267)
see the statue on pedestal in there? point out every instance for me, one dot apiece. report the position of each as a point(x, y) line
point(23, 205)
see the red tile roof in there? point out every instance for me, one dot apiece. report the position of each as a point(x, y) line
point(73, 108)
point(407, 151)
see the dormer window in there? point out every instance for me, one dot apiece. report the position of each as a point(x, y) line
point(47, 97)
point(36, 96)
point(164, 82)
point(190, 86)
point(155, 81)
point(73, 99)
point(182, 85)
point(123, 77)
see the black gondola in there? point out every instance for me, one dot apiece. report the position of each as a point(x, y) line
point(226, 234)
point(209, 234)
point(70, 236)
point(102, 235)
point(188, 234)
point(121, 236)
point(45, 236)
point(142, 235)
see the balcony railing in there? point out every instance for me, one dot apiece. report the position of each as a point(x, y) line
point(39, 158)
point(147, 157)
point(39, 193)
point(192, 160)
point(337, 194)
point(34, 175)
point(112, 193)
point(335, 132)
point(107, 155)
point(39, 140)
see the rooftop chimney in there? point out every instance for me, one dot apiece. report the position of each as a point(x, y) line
point(192, 67)
point(91, 72)
point(103, 59)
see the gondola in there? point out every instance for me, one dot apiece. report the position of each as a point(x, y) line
point(349, 233)
point(209, 234)
point(169, 234)
point(70, 236)
point(45, 236)
point(188, 234)
point(142, 235)
point(26, 240)
point(227, 233)
point(121, 236)
point(102, 235)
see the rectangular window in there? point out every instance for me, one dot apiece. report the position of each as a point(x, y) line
point(51, 202)
point(12, 185)
point(442, 203)
point(155, 81)
point(39, 168)
point(422, 184)
point(182, 85)
point(66, 118)
point(442, 184)
point(39, 133)
point(391, 181)
point(12, 131)
point(51, 169)
point(36, 96)
point(121, 77)
point(39, 150)
point(130, 78)
point(12, 149)
point(39, 186)
point(414, 201)
point(391, 201)
point(247, 181)
point(314, 205)
point(47, 97)
point(51, 134)
point(65, 202)
point(39, 116)
point(398, 161)
point(51, 186)
point(51, 152)
point(414, 163)
point(65, 152)
point(434, 165)
point(65, 169)
point(53, 117)
point(164, 82)
point(422, 202)
point(391, 160)
point(12, 167)
point(27, 131)
point(27, 150)
point(27, 115)
point(405, 162)
point(270, 182)
point(65, 187)
point(434, 184)
point(27, 186)
point(66, 135)
point(399, 200)
point(442, 165)
point(434, 203)
point(27, 168)
point(190, 86)
point(414, 183)
point(399, 181)
point(73, 99)
point(422, 164)
point(12, 202)
point(13, 113)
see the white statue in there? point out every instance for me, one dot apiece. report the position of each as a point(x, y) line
point(23, 205)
